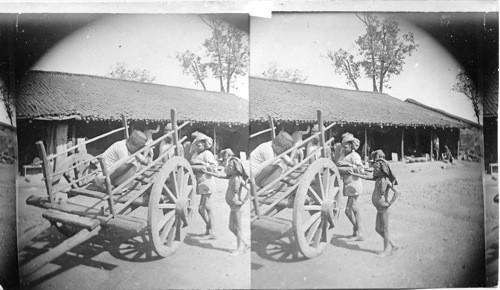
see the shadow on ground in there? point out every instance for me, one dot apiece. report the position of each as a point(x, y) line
point(276, 246)
point(120, 245)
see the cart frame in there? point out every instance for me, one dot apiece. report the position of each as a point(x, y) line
point(313, 191)
point(165, 188)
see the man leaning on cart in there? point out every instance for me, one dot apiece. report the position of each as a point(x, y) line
point(118, 151)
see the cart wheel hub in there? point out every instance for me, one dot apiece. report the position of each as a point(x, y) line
point(329, 210)
point(183, 209)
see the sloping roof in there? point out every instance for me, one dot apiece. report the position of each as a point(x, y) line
point(286, 101)
point(460, 119)
point(490, 100)
point(47, 94)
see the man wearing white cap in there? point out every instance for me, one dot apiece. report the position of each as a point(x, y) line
point(118, 151)
point(266, 151)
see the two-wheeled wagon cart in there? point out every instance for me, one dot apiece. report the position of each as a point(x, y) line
point(78, 208)
point(312, 188)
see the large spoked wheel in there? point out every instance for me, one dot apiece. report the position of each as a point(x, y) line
point(84, 168)
point(316, 207)
point(170, 207)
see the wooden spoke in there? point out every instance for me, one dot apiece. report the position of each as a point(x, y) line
point(317, 236)
point(319, 183)
point(335, 191)
point(166, 206)
point(180, 177)
point(311, 220)
point(165, 218)
point(173, 232)
point(170, 193)
point(314, 194)
point(312, 207)
point(167, 229)
point(313, 230)
point(174, 180)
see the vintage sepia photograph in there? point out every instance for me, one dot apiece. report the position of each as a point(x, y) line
point(133, 135)
point(366, 133)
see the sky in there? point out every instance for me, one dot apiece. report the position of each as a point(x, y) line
point(301, 41)
point(147, 42)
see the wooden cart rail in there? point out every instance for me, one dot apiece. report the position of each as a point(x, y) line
point(166, 188)
point(277, 180)
point(53, 178)
point(296, 146)
point(53, 156)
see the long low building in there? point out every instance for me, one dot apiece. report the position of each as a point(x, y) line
point(377, 119)
point(57, 107)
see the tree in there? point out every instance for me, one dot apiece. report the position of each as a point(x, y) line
point(192, 65)
point(227, 50)
point(465, 86)
point(344, 64)
point(121, 71)
point(275, 73)
point(382, 49)
point(226, 54)
point(8, 102)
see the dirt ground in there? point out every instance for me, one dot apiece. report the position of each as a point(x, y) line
point(8, 257)
point(112, 261)
point(438, 222)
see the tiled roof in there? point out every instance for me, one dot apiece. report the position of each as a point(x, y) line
point(288, 101)
point(459, 119)
point(48, 94)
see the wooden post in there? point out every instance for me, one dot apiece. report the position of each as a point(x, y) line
point(366, 146)
point(402, 144)
point(73, 134)
point(46, 169)
point(215, 142)
point(432, 149)
point(271, 123)
point(109, 187)
point(83, 147)
point(124, 122)
point(175, 136)
point(322, 135)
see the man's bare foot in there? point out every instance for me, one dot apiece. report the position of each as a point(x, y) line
point(356, 239)
point(384, 253)
point(209, 237)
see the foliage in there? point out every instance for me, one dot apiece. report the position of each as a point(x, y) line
point(381, 49)
point(192, 65)
point(275, 73)
point(465, 86)
point(8, 102)
point(226, 55)
point(344, 64)
point(121, 71)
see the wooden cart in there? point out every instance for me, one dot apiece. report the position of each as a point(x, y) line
point(79, 209)
point(312, 188)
